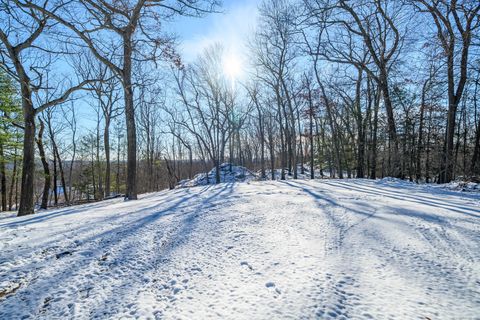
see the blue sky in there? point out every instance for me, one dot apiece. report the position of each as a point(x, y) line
point(231, 28)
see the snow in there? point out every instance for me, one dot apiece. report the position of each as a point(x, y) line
point(228, 173)
point(463, 186)
point(259, 250)
point(305, 175)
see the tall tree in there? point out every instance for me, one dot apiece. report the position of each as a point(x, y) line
point(455, 22)
point(125, 22)
point(24, 44)
point(9, 112)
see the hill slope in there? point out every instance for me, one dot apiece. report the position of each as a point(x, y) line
point(295, 249)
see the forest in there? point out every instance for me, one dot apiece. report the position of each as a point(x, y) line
point(328, 89)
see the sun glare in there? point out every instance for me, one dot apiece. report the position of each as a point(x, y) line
point(232, 67)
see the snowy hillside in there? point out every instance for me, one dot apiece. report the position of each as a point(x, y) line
point(228, 173)
point(263, 250)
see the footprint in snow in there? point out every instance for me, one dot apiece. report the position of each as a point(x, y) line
point(271, 285)
point(245, 263)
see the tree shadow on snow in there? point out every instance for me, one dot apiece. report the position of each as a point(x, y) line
point(117, 242)
point(423, 199)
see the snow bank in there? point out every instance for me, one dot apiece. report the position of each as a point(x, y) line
point(459, 185)
point(228, 173)
point(464, 186)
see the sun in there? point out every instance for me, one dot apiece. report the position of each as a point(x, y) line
point(232, 66)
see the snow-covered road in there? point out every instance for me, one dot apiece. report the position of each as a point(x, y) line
point(264, 250)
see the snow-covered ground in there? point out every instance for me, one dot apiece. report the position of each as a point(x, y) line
point(228, 173)
point(260, 250)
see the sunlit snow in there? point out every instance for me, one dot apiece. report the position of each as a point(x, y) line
point(257, 250)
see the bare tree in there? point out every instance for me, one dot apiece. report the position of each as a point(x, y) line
point(202, 90)
point(46, 168)
point(455, 22)
point(127, 21)
point(26, 54)
point(273, 55)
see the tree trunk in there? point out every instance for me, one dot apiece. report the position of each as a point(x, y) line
point(46, 169)
point(373, 161)
point(190, 163)
point(106, 143)
point(92, 165)
point(392, 131)
point(312, 150)
point(454, 97)
point(217, 170)
point(3, 179)
point(476, 151)
point(62, 174)
point(283, 153)
point(272, 152)
point(360, 134)
point(427, 147)
point(290, 126)
point(28, 164)
point(418, 174)
point(300, 144)
point(55, 179)
point(13, 181)
point(131, 193)
point(335, 138)
point(74, 150)
point(446, 169)
point(262, 144)
point(100, 192)
point(117, 180)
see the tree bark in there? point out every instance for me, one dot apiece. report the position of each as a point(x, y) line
point(476, 150)
point(335, 138)
point(217, 170)
point(373, 161)
point(57, 161)
point(3, 179)
point(271, 151)
point(55, 179)
point(418, 165)
point(117, 179)
point(28, 164)
point(396, 171)
point(312, 150)
point(13, 181)
point(360, 128)
point(46, 169)
point(106, 142)
point(131, 193)
point(262, 141)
